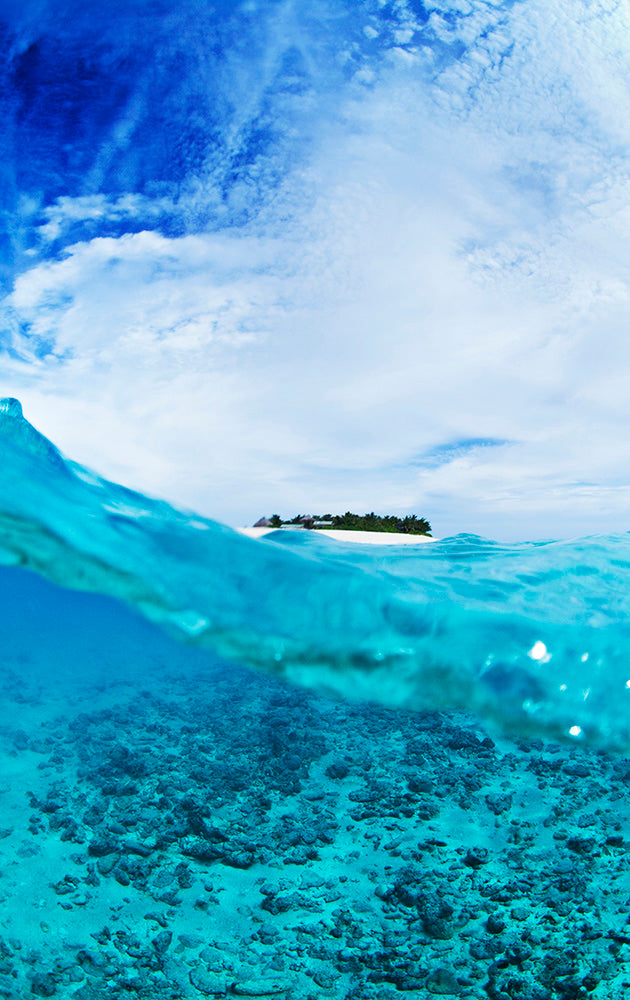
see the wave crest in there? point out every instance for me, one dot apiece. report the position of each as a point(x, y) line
point(532, 637)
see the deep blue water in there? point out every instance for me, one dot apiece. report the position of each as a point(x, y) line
point(532, 637)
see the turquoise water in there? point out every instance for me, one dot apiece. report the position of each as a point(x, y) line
point(298, 768)
point(533, 637)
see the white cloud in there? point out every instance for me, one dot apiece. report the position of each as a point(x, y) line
point(449, 262)
point(143, 293)
point(97, 208)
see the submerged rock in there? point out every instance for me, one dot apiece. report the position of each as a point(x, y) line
point(208, 983)
point(366, 889)
point(43, 984)
point(442, 982)
point(259, 988)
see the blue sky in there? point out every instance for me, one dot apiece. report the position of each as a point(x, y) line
point(286, 256)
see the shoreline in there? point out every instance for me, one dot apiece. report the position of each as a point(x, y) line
point(345, 535)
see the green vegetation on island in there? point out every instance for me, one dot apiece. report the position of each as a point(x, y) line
point(411, 524)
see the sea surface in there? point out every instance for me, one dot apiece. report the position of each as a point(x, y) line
point(300, 768)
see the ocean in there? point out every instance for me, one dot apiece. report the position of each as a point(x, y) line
point(300, 768)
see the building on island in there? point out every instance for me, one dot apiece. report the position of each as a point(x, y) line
point(306, 521)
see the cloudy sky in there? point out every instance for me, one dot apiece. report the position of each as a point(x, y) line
point(289, 255)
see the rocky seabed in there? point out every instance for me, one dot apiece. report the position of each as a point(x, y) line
point(219, 834)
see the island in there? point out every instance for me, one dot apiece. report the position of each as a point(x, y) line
point(411, 524)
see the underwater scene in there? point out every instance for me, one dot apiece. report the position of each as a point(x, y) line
point(295, 768)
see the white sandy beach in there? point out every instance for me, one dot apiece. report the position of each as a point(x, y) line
point(364, 537)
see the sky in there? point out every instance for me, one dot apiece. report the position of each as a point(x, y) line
point(294, 256)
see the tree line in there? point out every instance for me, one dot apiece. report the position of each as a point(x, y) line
point(411, 524)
